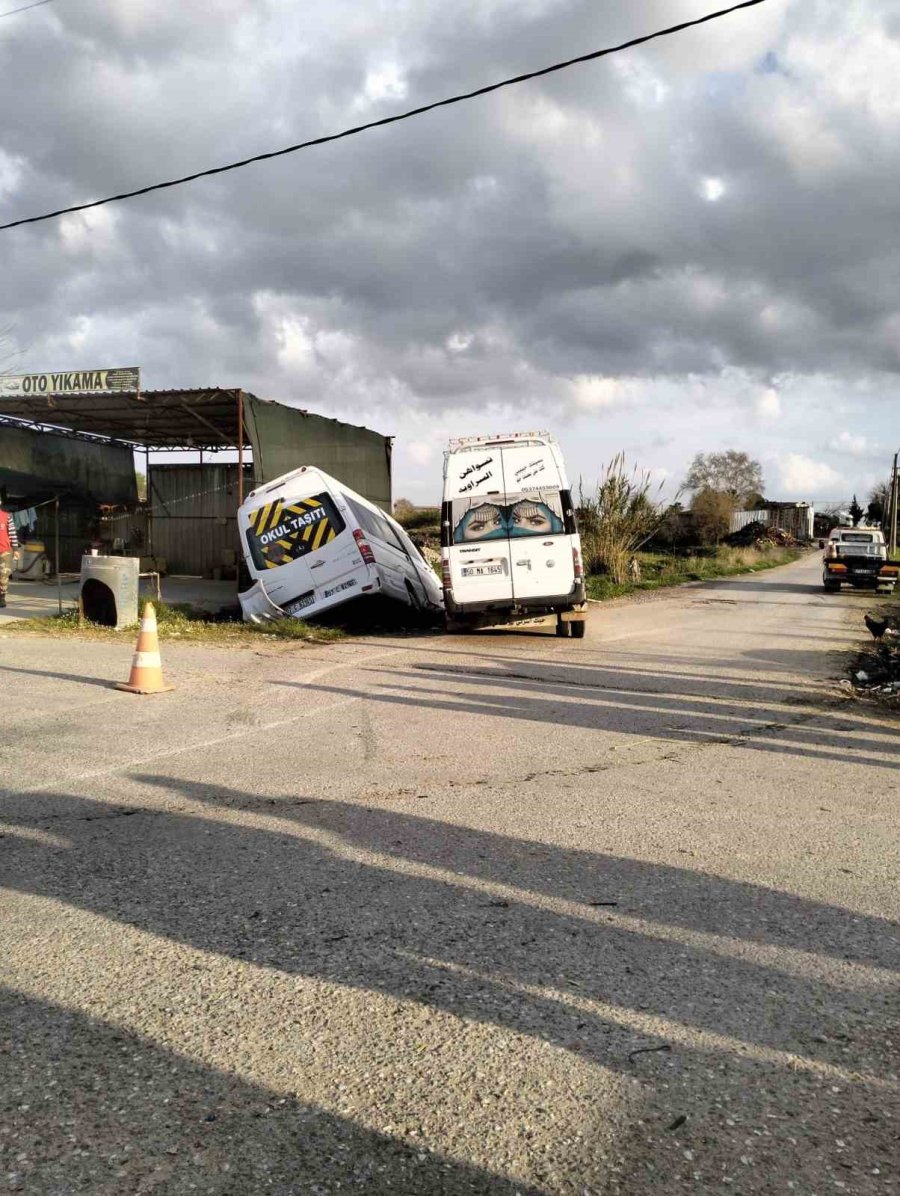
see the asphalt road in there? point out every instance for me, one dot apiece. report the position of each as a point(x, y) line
point(500, 913)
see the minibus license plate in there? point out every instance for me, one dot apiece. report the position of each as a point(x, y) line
point(291, 608)
point(481, 570)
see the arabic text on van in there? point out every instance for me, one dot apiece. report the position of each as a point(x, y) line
point(476, 467)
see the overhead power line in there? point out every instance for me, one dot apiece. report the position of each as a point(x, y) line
point(387, 120)
point(25, 7)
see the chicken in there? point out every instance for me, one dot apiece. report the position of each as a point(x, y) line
point(879, 627)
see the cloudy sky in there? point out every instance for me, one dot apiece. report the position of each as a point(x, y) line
point(687, 247)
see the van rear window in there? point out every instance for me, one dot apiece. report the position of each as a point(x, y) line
point(282, 531)
point(508, 516)
point(857, 538)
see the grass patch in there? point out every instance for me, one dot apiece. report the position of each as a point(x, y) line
point(182, 623)
point(659, 570)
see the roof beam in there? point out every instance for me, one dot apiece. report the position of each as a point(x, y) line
point(202, 419)
point(28, 425)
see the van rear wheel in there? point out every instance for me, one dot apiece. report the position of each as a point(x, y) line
point(578, 629)
point(563, 629)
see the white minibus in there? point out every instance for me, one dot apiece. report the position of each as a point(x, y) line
point(310, 543)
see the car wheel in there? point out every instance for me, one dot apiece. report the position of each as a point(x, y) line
point(563, 629)
point(578, 629)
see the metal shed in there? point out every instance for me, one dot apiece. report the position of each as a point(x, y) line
point(194, 528)
point(187, 503)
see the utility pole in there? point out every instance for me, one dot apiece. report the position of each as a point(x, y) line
point(894, 496)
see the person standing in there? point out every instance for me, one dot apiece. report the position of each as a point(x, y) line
point(9, 547)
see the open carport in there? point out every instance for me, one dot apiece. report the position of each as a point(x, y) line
point(202, 450)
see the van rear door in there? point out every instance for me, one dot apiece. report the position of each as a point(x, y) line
point(541, 561)
point(480, 568)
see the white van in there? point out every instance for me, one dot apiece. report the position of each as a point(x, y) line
point(310, 543)
point(509, 544)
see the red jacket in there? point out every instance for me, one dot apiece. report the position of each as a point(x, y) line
point(9, 541)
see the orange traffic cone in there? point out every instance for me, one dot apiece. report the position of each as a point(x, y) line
point(146, 667)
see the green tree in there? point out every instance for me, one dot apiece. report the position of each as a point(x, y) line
point(729, 472)
point(712, 511)
point(856, 512)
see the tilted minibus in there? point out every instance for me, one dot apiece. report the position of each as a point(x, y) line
point(310, 543)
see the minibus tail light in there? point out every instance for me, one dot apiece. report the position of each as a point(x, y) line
point(446, 579)
point(577, 565)
point(365, 548)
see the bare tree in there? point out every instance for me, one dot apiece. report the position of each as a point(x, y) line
point(879, 501)
point(730, 472)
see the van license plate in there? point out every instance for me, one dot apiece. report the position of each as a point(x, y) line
point(481, 570)
point(291, 608)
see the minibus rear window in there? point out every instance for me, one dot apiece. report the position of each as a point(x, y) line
point(281, 531)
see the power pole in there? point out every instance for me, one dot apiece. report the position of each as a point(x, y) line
point(894, 496)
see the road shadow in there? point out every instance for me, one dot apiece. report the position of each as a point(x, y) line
point(626, 668)
point(82, 680)
point(733, 987)
point(752, 585)
point(99, 1109)
point(752, 718)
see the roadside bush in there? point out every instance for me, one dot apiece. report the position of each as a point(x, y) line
point(414, 518)
point(403, 508)
point(712, 511)
point(617, 519)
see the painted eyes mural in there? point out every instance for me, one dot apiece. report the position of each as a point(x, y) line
point(493, 521)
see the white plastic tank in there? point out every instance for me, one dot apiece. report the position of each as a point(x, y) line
point(33, 562)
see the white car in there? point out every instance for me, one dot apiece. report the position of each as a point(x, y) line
point(857, 556)
point(510, 548)
point(311, 543)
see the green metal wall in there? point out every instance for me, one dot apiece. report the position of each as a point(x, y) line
point(39, 464)
point(285, 438)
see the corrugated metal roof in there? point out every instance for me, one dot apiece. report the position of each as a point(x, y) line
point(203, 417)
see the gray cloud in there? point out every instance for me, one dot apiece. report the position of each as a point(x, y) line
point(663, 232)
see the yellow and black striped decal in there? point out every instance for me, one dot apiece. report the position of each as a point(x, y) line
point(286, 531)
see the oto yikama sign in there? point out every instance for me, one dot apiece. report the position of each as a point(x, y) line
point(71, 382)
